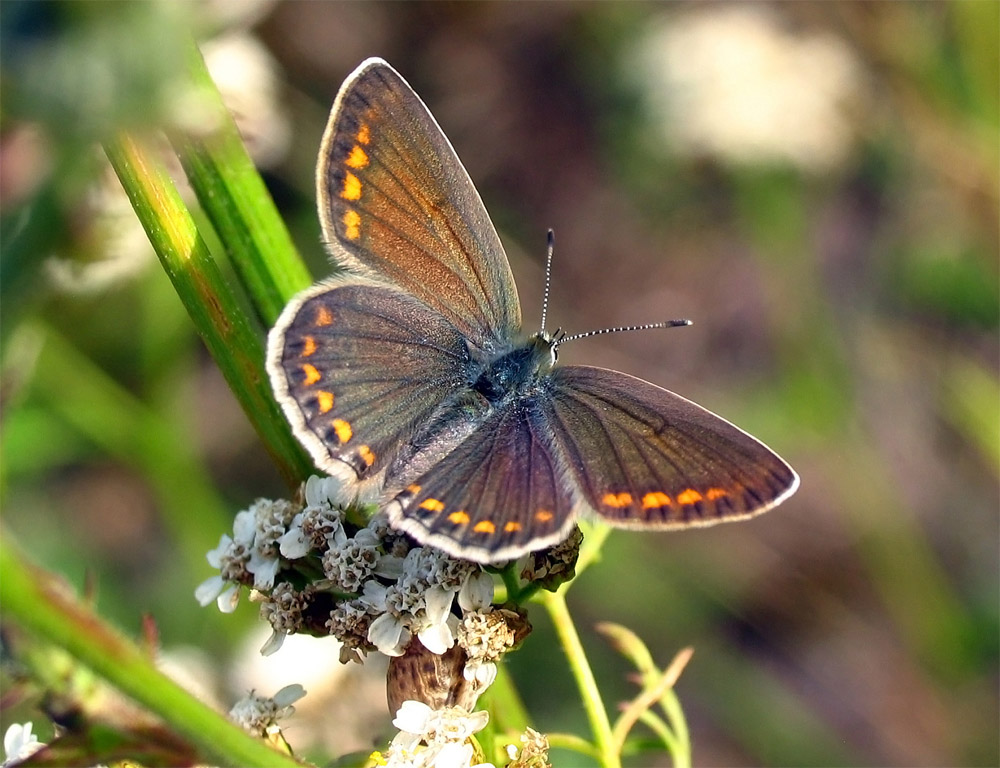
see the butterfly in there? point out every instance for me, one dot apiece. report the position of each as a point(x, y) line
point(409, 378)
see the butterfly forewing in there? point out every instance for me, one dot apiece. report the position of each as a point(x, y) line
point(395, 198)
point(642, 456)
point(497, 495)
point(358, 367)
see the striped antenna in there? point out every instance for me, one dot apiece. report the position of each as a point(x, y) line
point(559, 337)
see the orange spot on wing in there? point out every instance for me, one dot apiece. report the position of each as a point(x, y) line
point(543, 515)
point(325, 401)
point(716, 493)
point(323, 317)
point(511, 527)
point(366, 455)
point(484, 526)
point(352, 187)
point(364, 134)
point(352, 225)
point(343, 430)
point(308, 346)
point(432, 504)
point(617, 500)
point(312, 375)
point(358, 158)
point(655, 499)
point(414, 489)
point(690, 496)
point(459, 518)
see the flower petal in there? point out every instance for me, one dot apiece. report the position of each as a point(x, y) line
point(436, 638)
point(208, 590)
point(229, 599)
point(476, 593)
point(413, 717)
point(289, 695)
point(388, 634)
point(274, 642)
point(438, 601)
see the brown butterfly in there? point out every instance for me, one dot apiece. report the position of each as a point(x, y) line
point(409, 376)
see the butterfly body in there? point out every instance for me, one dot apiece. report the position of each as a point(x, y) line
point(517, 372)
point(409, 377)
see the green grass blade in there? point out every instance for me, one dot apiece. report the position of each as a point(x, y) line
point(35, 602)
point(233, 196)
point(232, 337)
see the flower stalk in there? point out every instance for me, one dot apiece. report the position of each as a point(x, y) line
point(597, 715)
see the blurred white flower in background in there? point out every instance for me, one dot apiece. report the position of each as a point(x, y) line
point(250, 83)
point(731, 81)
point(259, 714)
point(19, 743)
point(345, 708)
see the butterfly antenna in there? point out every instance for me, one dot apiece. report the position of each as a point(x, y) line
point(548, 277)
point(560, 337)
point(647, 326)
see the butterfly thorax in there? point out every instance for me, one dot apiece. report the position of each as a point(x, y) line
point(517, 369)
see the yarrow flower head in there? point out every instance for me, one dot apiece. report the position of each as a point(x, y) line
point(429, 738)
point(551, 567)
point(287, 611)
point(315, 566)
point(271, 520)
point(534, 751)
point(231, 557)
point(312, 570)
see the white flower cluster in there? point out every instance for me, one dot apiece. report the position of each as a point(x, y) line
point(442, 738)
point(313, 571)
point(430, 738)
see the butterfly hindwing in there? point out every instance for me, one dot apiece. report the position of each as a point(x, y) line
point(395, 201)
point(497, 494)
point(358, 367)
point(644, 457)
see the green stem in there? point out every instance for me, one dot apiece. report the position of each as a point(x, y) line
point(680, 747)
point(34, 600)
point(218, 315)
point(555, 604)
point(233, 196)
point(662, 731)
point(657, 688)
point(594, 536)
point(507, 710)
point(512, 582)
point(573, 743)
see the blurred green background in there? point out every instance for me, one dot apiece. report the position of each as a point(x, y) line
point(814, 184)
